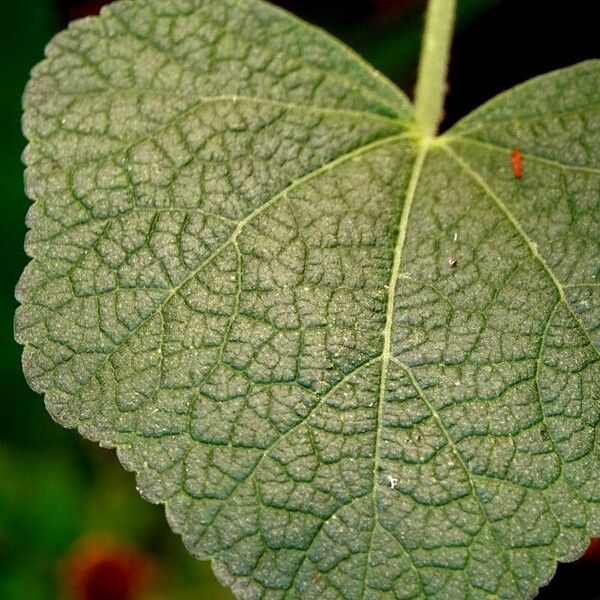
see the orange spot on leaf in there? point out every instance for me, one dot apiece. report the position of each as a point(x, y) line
point(516, 161)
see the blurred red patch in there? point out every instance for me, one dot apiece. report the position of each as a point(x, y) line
point(83, 9)
point(592, 554)
point(99, 569)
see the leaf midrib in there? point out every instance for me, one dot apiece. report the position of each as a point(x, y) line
point(387, 357)
point(386, 353)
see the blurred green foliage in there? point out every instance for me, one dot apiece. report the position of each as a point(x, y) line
point(56, 488)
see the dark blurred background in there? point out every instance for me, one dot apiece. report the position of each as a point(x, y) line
point(71, 523)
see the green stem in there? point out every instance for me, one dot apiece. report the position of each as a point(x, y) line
point(433, 66)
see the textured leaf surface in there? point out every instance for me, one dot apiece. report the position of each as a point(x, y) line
point(351, 363)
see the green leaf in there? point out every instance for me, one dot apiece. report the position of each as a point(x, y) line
point(351, 362)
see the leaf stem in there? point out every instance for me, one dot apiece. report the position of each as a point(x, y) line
point(433, 65)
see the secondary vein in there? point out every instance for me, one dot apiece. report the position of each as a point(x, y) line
point(238, 230)
point(462, 139)
point(530, 244)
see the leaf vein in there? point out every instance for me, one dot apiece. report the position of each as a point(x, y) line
point(530, 244)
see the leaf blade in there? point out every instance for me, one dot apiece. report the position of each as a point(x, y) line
point(310, 333)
